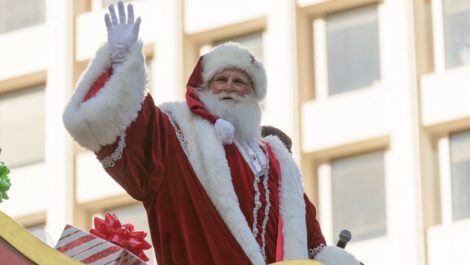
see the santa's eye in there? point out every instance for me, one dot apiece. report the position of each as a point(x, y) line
point(221, 79)
point(240, 81)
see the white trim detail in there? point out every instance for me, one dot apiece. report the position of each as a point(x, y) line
point(179, 134)
point(100, 120)
point(266, 213)
point(117, 154)
point(312, 252)
point(264, 172)
point(254, 227)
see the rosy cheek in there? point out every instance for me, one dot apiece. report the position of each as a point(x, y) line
point(214, 88)
point(243, 91)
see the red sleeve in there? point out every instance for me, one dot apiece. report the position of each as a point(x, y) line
point(140, 169)
point(98, 84)
point(314, 235)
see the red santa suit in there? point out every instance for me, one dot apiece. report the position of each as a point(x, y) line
point(205, 203)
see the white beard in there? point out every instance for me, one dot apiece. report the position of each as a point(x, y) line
point(244, 113)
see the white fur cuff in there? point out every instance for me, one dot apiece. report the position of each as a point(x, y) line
point(100, 120)
point(331, 255)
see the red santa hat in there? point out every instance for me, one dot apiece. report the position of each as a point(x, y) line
point(225, 56)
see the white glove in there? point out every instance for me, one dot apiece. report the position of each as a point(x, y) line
point(332, 255)
point(122, 34)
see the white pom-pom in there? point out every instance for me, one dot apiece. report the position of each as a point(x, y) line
point(331, 255)
point(225, 131)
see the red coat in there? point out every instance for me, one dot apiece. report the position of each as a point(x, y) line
point(199, 194)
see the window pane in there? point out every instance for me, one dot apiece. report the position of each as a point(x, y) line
point(253, 41)
point(17, 14)
point(358, 185)
point(460, 168)
point(136, 216)
point(352, 49)
point(22, 126)
point(39, 231)
point(457, 32)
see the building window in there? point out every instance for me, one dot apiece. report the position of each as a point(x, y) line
point(39, 231)
point(22, 125)
point(460, 174)
point(253, 41)
point(135, 215)
point(353, 54)
point(457, 32)
point(358, 193)
point(17, 14)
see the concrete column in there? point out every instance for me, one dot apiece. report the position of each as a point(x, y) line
point(282, 108)
point(59, 155)
point(320, 59)
point(325, 189)
point(438, 36)
point(445, 180)
point(167, 65)
point(403, 170)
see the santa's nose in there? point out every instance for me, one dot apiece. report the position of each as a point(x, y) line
point(229, 87)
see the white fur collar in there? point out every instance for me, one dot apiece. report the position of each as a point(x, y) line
point(213, 172)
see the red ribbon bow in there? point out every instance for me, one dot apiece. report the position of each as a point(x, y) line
point(110, 229)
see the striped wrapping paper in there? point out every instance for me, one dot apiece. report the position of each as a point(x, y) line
point(90, 249)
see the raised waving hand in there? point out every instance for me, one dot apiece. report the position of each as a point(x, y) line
point(123, 32)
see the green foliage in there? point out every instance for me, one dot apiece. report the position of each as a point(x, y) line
point(4, 181)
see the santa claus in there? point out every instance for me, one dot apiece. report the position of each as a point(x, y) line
point(215, 191)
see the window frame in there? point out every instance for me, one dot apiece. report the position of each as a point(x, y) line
point(42, 21)
point(35, 87)
point(325, 193)
point(445, 178)
point(320, 58)
point(209, 44)
point(439, 38)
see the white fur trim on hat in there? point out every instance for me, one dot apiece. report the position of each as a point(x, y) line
point(224, 131)
point(331, 255)
point(233, 55)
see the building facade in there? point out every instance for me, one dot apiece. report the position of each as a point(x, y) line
point(374, 94)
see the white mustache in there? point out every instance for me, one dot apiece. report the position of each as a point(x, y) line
point(243, 112)
point(223, 95)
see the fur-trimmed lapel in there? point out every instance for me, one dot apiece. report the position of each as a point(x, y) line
point(292, 202)
point(212, 170)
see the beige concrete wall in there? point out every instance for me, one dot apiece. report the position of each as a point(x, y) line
point(445, 96)
point(23, 52)
point(409, 114)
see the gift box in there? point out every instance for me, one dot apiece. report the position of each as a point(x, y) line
point(91, 249)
